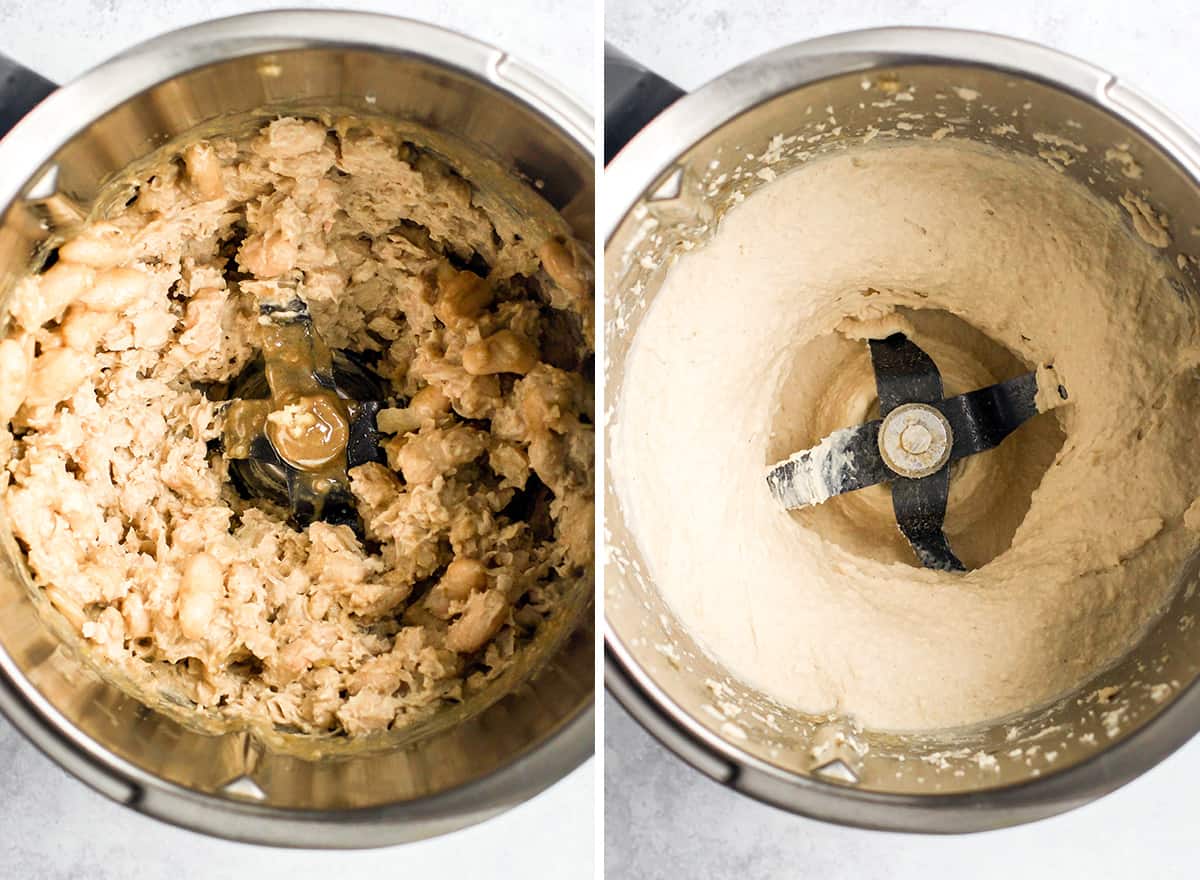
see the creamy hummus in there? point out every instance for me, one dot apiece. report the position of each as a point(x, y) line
point(753, 349)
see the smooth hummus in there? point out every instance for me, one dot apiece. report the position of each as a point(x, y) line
point(477, 318)
point(753, 349)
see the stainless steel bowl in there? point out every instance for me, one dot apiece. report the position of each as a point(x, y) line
point(52, 166)
point(664, 190)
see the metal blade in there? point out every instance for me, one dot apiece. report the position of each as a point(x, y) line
point(314, 497)
point(850, 459)
point(920, 507)
point(844, 461)
point(903, 373)
point(364, 434)
point(296, 361)
point(981, 419)
point(296, 357)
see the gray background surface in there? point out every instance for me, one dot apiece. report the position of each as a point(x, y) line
point(53, 827)
point(664, 820)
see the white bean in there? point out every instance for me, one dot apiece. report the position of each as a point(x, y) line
point(481, 619)
point(462, 578)
point(201, 588)
point(56, 288)
point(83, 328)
point(560, 266)
point(429, 403)
point(116, 289)
point(502, 352)
point(101, 246)
point(137, 618)
point(426, 407)
point(14, 377)
point(56, 375)
point(203, 170)
point(461, 298)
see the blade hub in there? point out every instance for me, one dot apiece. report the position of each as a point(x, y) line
point(310, 431)
point(915, 440)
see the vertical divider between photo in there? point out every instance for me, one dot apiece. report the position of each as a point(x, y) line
point(598, 384)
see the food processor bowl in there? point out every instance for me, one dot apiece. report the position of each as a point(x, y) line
point(462, 766)
point(667, 190)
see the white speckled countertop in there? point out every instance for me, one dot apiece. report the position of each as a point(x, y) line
point(52, 827)
point(665, 820)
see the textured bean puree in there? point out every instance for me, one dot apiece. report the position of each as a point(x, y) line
point(1076, 528)
point(476, 315)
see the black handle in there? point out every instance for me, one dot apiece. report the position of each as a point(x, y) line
point(20, 91)
point(632, 97)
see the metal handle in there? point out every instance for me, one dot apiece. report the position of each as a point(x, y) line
point(20, 91)
point(632, 97)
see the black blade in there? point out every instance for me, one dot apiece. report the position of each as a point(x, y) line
point(849, 459)
point(920, 507)
point(982, 419)
point(293, 325)
point(262, 450)
point(844, 461)
point(288, 311)
point(903, 373)
point(291, 339)
point(363, 445)
point(334, 505)
point(262, 474)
